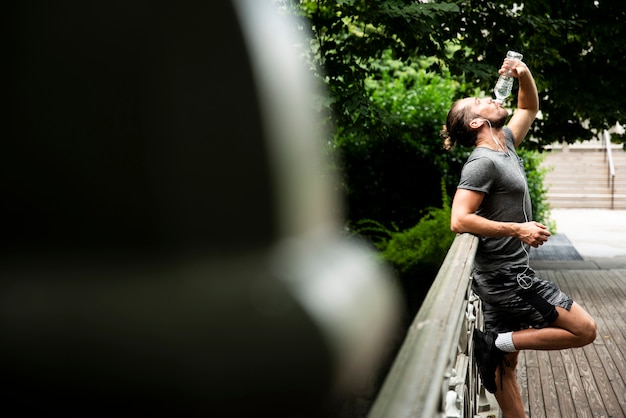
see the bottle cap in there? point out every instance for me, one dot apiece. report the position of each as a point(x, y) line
point(514, 55)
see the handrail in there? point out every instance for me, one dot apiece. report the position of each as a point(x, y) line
point(609, 157)
point(435, 360)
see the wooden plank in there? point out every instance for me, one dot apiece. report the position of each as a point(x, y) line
point(536, 407)
point(609, 304)
point(573, 283)
point(563, 391)
point(607, 402)
point(585, 359)
point(617, 280)
point(588, 381)
point(589, 284)
point(611, 386)
point(610, 377)
point(577, 391)
point(548, 387)
point(576, 386)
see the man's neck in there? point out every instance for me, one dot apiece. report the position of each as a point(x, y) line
point(487, 138)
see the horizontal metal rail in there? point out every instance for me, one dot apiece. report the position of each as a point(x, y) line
point(434, 369)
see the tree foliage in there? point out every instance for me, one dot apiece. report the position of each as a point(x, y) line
point(575, 50)
point(348, 36)
point(392, 165)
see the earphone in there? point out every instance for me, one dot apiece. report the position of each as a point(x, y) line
point(523, 279)
point(495, 140)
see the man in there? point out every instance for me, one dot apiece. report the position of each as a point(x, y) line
point(521, 311)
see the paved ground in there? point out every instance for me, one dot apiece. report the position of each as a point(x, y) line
point(594, 232)
point(598, 235)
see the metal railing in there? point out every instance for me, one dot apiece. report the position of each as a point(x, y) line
point(609, 157)
point(434, 374)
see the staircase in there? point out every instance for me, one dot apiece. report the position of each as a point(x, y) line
point(578, 178)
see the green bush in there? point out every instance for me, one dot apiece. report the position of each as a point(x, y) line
point(391, 157)
point(423, 246)
point(426, 244)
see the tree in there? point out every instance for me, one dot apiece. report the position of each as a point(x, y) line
point(391, 157)
point(394, 165)
point(575, 50)
point(348, 36)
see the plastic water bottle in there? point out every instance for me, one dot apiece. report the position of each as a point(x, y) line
point(503, 87)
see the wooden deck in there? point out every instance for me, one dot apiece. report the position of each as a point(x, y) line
point(588, 381)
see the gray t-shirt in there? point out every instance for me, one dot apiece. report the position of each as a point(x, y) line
point(503, 180)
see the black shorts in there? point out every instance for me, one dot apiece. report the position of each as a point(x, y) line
point(515, 298)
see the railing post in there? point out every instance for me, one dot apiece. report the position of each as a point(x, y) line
point(611, 166)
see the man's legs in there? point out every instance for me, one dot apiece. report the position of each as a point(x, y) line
point(573, 328)
point(508, 394)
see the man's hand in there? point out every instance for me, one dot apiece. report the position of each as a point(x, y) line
point(527, 100)
point(532, 233)
point(512, 67)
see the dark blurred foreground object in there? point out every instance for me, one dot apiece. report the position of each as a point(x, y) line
point(170, 240)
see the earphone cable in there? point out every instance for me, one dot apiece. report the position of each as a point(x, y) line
point(523, 279)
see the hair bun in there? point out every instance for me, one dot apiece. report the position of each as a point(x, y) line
point(445, 136)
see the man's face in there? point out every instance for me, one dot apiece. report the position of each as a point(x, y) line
point(489, 109)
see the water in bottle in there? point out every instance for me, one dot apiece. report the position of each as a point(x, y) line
point(503, 87)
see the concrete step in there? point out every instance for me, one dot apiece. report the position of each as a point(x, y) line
point(579, 179)
point(583, 188)
point(577, 204)
point(588, 195)
point(587, 204)
point(562, 166)
point(575, 178)
point(602, 181)
point(572, 182)
point(584, 199)
point(586, 154)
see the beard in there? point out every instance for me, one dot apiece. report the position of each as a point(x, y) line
point(499, 121)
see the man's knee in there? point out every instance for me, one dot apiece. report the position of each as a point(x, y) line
point(588, 332)
point(580, 324)
point(586, 329)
